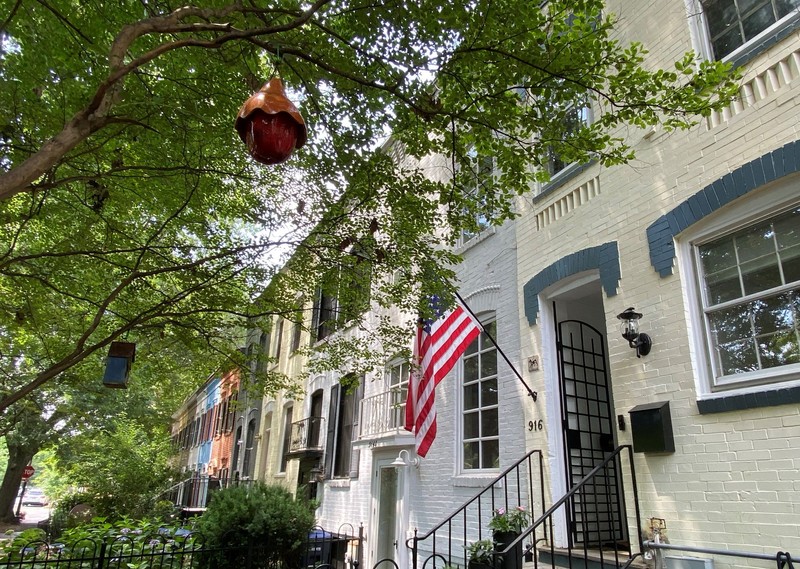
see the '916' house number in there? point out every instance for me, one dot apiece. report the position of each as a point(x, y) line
point(535, 425)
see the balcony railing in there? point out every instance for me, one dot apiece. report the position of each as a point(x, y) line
point(382, 414)
point(306, 436)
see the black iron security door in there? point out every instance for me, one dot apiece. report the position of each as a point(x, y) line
point(595, 513)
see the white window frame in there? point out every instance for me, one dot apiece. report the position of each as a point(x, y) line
point(467, 239)
point(571, 168)
point(586, 118)
point(398, 392)
point(757, 206)
point(701, 38)
point(485, 319)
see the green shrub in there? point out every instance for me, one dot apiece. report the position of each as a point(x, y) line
point(267, 517)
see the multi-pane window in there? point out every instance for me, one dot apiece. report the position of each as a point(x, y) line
point(265, 438)
point(397, 380)
point(278, 339)
point(344, 435)
point(287, 439)
point(750, 284)
point(263, 347)
point(480, 426)
point(574, 116)
point(343, 294)
point(482, 178)
point(249, 454)
point(732, 23)
point(297, 334)
point(341, 458)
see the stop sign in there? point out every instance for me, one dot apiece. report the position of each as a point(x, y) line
point(27, 472)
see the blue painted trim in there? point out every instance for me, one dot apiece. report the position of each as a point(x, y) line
point(767, 42)
point(768, 168)
point(604, 257)
point(771, 398)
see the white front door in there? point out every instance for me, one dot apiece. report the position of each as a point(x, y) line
point(387, 514)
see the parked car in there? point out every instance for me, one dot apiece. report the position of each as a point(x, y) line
point(34, 497)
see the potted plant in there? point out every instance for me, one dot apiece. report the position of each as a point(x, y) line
point(480, 554)
point(506, 525)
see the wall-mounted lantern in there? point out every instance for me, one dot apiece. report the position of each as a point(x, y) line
point(404, 460)
point(630, 331)
point(270, 125)
point(118, 364)
point(316, 474)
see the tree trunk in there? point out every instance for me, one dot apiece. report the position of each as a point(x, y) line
point(18, 458)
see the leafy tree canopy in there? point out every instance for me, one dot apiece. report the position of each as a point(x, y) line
point(130, 209)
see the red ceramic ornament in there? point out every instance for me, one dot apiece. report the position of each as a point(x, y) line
point(270, 125)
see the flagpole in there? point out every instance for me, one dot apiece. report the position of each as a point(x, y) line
point(531, 392)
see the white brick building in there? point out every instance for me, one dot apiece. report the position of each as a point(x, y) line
point(701, 235)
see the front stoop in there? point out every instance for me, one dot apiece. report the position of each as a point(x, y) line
point(584, 559)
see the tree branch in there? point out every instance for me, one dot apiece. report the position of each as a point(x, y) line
point(94, 116)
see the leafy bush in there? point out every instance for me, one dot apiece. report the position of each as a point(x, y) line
point(136, 540)
point(262, 515)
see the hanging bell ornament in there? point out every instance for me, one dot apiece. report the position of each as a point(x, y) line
point(270, 125)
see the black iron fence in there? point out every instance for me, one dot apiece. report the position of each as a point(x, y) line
point(182, 549)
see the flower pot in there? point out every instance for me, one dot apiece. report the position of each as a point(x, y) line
point(479, 565)
point(512, 559)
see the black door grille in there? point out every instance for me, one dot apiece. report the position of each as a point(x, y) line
point(594, 514)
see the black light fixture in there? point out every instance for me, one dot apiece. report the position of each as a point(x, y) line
point(630, 331)
point(118, 364)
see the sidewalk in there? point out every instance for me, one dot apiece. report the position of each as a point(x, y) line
point(33, 515)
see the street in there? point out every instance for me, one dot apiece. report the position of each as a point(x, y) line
point(34, 514)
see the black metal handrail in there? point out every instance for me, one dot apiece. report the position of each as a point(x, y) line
point(541, 530)
point(782, 558)
point(470, 521)
point(622, 558)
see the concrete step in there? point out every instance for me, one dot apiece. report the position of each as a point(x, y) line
point(583, 559)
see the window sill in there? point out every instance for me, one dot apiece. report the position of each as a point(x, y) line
point(390, 439)
point(762, 42)
point(561, 178)
point(752, 400)
point(339, 483)
point(475, 480)
point(483, 235)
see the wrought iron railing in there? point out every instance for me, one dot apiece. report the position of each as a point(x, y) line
point(576, 514)
point(381, 414)
point(783, 559)
point(193, 493)
point(567, 521)
point(514, 487)
point(306, 435)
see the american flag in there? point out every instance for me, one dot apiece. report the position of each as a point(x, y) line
point(439, 344)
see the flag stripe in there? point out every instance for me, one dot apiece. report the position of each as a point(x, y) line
point(435, 353)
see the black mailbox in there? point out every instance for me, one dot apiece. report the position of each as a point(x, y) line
point(651, 425)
